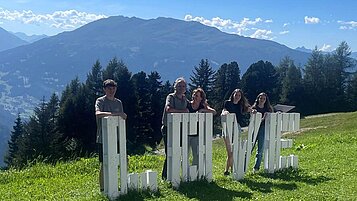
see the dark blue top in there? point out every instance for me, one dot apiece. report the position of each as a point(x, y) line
point(234, 108)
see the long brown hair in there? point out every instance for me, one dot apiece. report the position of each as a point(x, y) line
point(243, 102)
point(202, 94)
point(267, 105)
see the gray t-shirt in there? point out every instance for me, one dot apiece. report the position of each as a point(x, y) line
point(174, 102)
point(103, 104)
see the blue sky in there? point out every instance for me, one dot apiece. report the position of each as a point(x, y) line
point(294, 23)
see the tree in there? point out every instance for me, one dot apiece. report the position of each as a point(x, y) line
point(203, 76)
point(314, 83)
point(13, 143)
point(226, 80)
point(352, 93)
point(156, 105)
point(290, 79)
point(260, 77)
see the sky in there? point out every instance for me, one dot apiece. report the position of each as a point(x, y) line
point(321, 24)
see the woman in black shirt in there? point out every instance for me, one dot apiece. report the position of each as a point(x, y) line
point(262, 105)
point(239, 105)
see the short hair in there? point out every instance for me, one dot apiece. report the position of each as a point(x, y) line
point(109, 83)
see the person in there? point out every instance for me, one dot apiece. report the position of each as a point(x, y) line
point(198, 104)
point(175, 103)
point(262, 105)
point(106, 105)
point(239, 105)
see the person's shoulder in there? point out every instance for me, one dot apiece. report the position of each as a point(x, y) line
point(102, 98)
point(117, 100)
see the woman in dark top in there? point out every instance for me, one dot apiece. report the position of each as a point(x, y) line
point(198, 104)
point(239, 105)
point(262, 105)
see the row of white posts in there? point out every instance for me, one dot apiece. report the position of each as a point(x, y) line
point(182, 125)
point(114, 133)
point(275, 124)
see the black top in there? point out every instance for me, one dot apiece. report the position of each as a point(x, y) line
point(234, 108)
point(191, 110)
point(261, 110)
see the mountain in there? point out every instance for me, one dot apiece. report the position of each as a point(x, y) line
point(8, 40)
point(303, 49)
point(31, 38)
point(354, 55)
point(170, 46)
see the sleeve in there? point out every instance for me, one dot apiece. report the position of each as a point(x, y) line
point(98, 105)
point(169, 101)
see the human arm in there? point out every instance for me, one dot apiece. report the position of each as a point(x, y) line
point(100, 114)
point(171, 107)
point(207, 109)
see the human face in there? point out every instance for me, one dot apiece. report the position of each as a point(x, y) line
point(110, 91)
point(237, 96)
point(262, 99)
point(197, 97)
point(180, 87)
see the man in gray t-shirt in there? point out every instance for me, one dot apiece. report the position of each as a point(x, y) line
point(106, 105)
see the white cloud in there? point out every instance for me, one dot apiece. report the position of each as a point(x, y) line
point(262, 34)
point(284, 32)
point(230, 26)
point(68, 19)
point(325, 48)
point(347, 25)
point(311, 20)
point(286, 24)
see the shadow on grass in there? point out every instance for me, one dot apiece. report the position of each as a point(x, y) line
point(139, 196)
point(267, 187)
point(203, 190)
point(297, 175)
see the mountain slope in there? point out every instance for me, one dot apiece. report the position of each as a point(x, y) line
point(171, 47)
point(8, 40)
point(30, 39)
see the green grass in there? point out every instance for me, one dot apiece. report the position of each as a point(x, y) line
point(326, 148)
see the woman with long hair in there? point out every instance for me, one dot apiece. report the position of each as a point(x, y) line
point(262, 105)
point(197, 104)
point(239, 105)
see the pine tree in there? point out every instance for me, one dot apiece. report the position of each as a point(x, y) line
point(203, 76)
point(143, 115)
point(314, 84)
point(156, 105)
point(14, 143)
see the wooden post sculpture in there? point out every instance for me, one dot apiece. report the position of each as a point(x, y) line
point(241, 147)
point(113, 130)
point(275, 123)
point(114, 133)
point(179, 127)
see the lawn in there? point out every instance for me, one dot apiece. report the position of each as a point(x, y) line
point(326, 147)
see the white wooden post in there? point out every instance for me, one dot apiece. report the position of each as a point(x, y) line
point(201, 148)
point(133, 181)
point(174, 150)
point(186, 131)
point(123, 156)
point(208, 146)
point(152, 180)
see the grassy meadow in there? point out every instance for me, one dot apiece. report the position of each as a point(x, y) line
point(326, 146)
